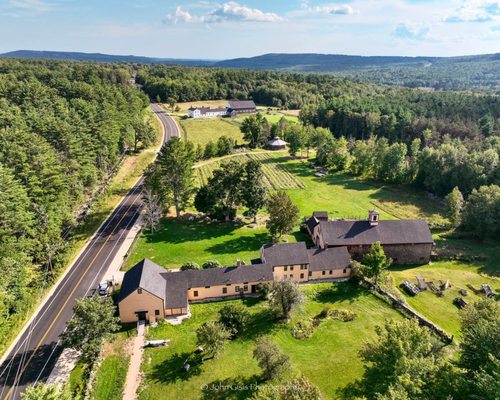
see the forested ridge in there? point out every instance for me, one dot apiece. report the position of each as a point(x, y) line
point(63, 127)
point(348, 108)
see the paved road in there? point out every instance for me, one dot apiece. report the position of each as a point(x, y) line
point(37, 349)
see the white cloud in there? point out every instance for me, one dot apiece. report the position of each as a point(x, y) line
point(340, 9)
point(475, 11)
point(412, 31)
point(28, 5)
point(230, 11)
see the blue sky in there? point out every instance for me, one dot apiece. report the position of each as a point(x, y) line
point(216, 30)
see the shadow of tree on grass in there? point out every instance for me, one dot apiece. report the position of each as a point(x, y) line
point(172, 369)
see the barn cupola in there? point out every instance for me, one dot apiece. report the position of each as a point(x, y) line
point(373, 217)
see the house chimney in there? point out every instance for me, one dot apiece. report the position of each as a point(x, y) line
point(373, 217)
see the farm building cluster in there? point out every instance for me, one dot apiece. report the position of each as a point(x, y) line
point(149, 292)
point(232, 108)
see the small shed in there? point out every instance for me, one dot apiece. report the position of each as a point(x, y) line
point(277, 144)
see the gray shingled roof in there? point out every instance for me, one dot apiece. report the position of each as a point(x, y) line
point(226, 275)
point(176, 285)
point(342, 233)
point(238, 104)
point(330, 258)
point(285, 254)
point(146, 275)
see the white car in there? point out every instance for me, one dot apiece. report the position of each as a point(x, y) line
point(104, 288)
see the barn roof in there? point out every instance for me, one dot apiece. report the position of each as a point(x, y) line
point(239, 104)
point(343, 233)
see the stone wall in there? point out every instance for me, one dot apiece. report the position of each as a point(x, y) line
point(411, 313)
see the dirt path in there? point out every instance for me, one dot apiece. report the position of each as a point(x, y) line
point(133, 379)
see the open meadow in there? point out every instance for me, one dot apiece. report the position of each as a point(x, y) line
point(329, 359)
point(202, 130)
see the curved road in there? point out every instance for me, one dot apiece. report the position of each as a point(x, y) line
point(37, 348)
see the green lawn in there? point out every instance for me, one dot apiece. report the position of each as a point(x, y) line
point(202, 130)
point(275, 117)
point(329, 358)
point(176, 242)
point(346, 196)
point(441, 310)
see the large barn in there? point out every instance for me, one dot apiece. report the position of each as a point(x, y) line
point(405, 241)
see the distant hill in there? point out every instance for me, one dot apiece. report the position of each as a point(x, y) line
point(311, 62)
point(76, 56)
point(477, 72)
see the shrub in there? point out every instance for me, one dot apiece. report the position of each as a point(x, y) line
point(343, 315)
point(189, 265)
point(234, 317)
point(303, 329)
point(211, 264)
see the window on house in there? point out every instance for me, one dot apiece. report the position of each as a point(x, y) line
point(237, 289)
point(291, 276)
point(207, 287)
point(345, 270)
point(331, 272)
point(301, 276)
point(224, 290)
point(286, 268)
point(195, 293)
point(323, 272)
point(139, 291)
point(291, 268)
point(310, 273)
point(245, 288)
point(157, 312)
point(228, 284)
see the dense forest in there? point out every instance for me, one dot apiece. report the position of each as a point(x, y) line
point(356, 110)
point(63, 127)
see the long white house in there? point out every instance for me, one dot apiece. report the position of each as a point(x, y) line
point(232, 108)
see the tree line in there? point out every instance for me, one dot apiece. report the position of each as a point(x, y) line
point(63, 127)
point(346, 107)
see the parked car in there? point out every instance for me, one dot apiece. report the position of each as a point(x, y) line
point(104, 288)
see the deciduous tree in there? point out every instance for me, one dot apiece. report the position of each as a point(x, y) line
point(212, 336)
point(283, 214)
point(285, 296)
point(271, 359)
point(92, 322)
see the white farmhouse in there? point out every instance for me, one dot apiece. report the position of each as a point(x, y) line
point(202, 112)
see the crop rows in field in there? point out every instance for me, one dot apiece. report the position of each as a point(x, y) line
point(276, 176)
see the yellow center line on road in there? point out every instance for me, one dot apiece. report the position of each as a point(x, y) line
point(68, 299)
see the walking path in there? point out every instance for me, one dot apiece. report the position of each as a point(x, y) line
point(133, 379)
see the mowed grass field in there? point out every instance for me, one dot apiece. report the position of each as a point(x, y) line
point(276, 176)
point(202, 130)
point(329, 358)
